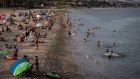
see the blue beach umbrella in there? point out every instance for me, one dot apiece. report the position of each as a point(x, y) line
point(15, 63)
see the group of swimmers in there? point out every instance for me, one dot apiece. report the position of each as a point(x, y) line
point(91, 31)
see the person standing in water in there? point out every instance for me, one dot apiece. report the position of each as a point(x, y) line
point(85, 40)
point(93, 30)
point(114, 44)
point(99, 44)
point(110, 55)
point(107, 50)
point(88, 34)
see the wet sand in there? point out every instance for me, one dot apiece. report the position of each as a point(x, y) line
point(54, 55)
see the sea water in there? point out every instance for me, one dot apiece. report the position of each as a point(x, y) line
point(119, 25)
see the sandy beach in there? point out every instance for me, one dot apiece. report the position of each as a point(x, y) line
point(54, 53)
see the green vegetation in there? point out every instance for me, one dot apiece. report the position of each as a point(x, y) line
point(65, 3)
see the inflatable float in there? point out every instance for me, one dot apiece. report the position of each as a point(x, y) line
point(9, 57)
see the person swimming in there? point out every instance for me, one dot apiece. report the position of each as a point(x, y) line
point(85, 40)
point(107, 50)
point(88, 34)
point(114, 44)
point(99, 43)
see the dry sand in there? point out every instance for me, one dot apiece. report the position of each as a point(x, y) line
point(54, 55)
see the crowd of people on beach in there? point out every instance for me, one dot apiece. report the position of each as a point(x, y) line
point(23, 23)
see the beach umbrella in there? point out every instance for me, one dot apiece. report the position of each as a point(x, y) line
point(20, 68)
point(15, 64)
point(4, 51)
